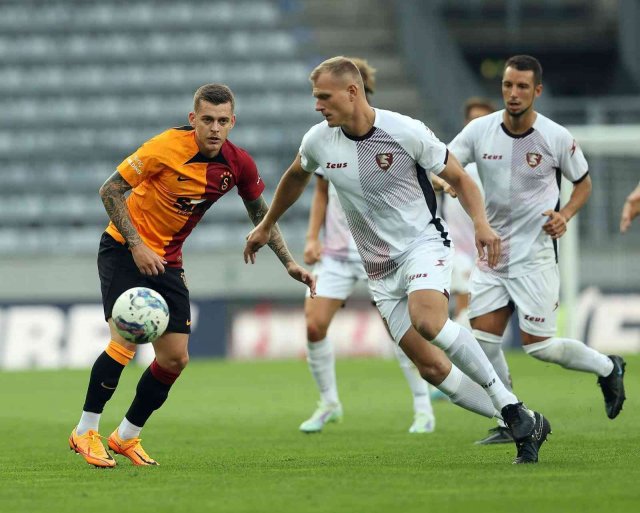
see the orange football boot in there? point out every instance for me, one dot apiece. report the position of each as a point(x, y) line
point(90, 447)
point(131, 449)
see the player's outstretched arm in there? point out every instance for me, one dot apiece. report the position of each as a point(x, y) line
point(257, 210)
point(630, 209)
point(471, 200)
point(289, 189)
point(556, 225)
point(317, 214)
point(112, 193)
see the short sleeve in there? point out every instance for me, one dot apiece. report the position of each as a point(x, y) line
point(462, 146)
point(573, 165)
point(250, 184)
point(145, 162)
point(307, 159)
point(431, 153)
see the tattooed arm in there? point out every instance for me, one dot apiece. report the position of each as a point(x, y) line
point(257, 210)
point(112, 194)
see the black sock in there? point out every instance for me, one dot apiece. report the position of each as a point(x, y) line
point(105, 375)
point(150, 395)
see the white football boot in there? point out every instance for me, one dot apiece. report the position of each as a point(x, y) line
point(423, 423)
point(324, 413)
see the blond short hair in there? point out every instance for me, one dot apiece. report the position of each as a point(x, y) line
point(368, 74)
point(339, 67)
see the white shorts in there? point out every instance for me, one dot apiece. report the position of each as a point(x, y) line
point(461, 274)
point(427, 267)
point(336, 279)
point(535, 295)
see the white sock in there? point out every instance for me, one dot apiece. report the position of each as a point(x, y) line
point(463, 318)
point(88, 420)
point(419, 387)
point(126, 430)
point(571, 354)
point(322, 364)
point(467, 394)
point(465, 352)
point(492, 346)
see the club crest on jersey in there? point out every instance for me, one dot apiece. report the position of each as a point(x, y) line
point(533, 159)
point(226, 180)
point(384, 160)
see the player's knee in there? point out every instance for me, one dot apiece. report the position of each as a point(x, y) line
point(316, 331)
point(174, 363)
point(428, 327)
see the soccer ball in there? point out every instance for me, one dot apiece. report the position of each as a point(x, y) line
point(140, 315)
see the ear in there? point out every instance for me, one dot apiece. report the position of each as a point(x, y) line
point(192, 119)
point(538, 90)
point(233, 122)
point(352, 89)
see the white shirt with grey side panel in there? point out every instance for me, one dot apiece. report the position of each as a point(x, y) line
point(383, 186)
point(520, 175)
point(338, 242)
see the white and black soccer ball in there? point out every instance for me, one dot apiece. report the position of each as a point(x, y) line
point(140, 315)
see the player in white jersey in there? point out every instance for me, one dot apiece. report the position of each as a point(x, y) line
point(521, 155)
point(338, 269)
point(630, 209)
point(378, 161)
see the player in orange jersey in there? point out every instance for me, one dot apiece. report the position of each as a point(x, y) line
point(174, 178)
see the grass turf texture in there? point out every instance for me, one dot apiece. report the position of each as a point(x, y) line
point(227, 440)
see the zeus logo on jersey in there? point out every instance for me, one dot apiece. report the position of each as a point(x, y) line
point(531, 318)
point(384, 160)
point(415, 276)
point(332, 165)
point(487, 156)
point(533, 159)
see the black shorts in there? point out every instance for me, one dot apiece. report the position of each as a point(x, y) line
point(118, 272)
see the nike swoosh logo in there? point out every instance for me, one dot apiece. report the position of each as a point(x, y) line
point(105, 386)
point(183, 178)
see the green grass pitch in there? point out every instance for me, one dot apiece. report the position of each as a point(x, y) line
point(227, 441)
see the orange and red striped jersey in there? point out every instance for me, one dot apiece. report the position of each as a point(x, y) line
point(174, 185)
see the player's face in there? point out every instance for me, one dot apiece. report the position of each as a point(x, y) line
point(212, 124)
point(334, 99)
point(519, 91)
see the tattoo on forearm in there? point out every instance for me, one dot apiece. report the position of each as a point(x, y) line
point(112, 194)
point(257, 209)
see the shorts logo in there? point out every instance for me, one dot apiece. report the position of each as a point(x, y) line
point(184, 280)
point(533, 318)
point(533, 159)
point(384, 160)
point(416, 276)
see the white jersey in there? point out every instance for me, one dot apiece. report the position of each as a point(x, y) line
point(383, 185)
point(460, 224)
point(338, 242)
point(520, 175)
